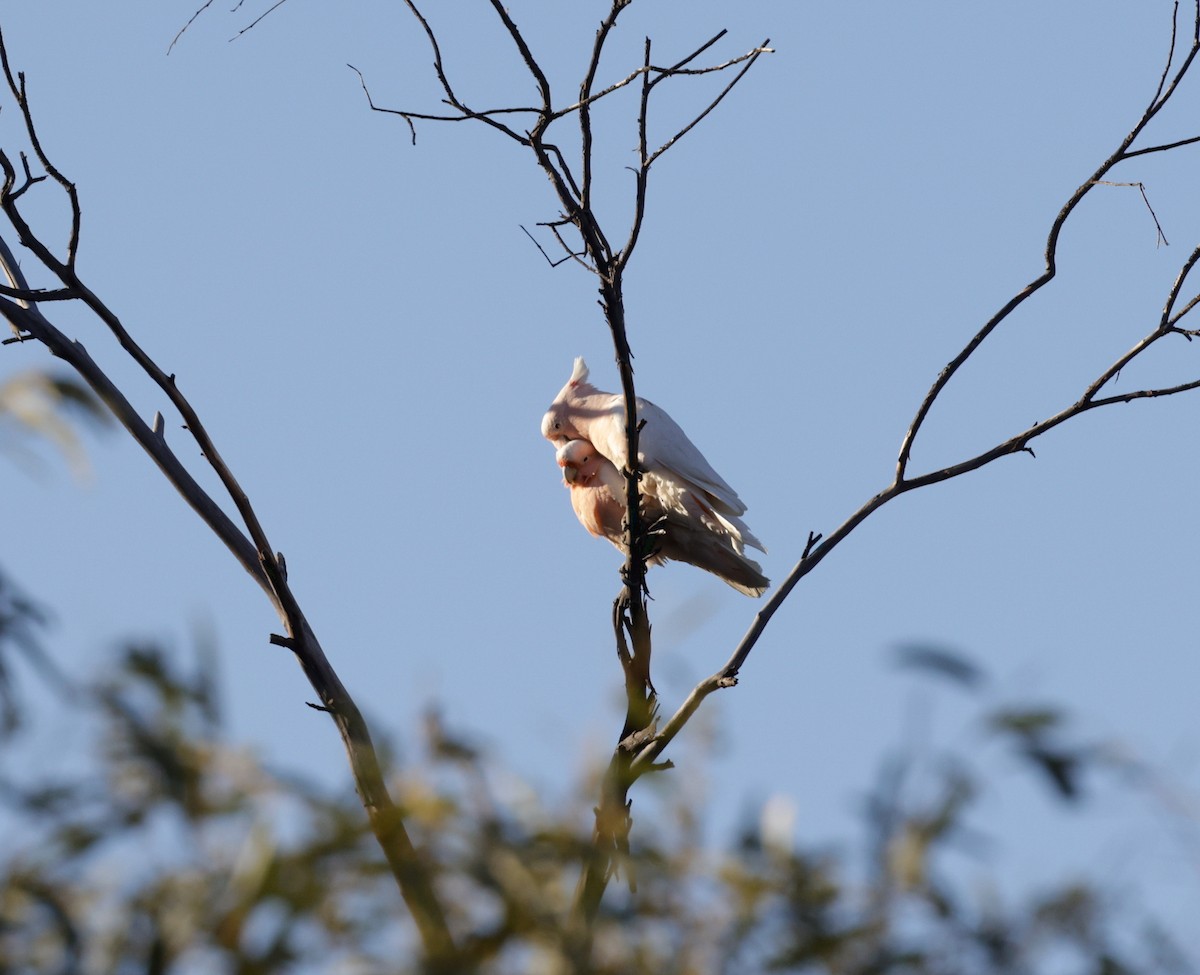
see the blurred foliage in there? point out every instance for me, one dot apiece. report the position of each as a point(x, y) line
point(20, 620)
point(36, 406)
point(169, 849)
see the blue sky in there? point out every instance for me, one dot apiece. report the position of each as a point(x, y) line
point(372, 340)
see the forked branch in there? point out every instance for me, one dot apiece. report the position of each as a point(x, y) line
point(1162, 96)
point(576, 201)
point(531, 126)
point(1168, 324)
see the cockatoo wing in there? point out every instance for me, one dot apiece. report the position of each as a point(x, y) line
point(701, 548)
point(673, 494)
point(691, 531)
point(663, 446)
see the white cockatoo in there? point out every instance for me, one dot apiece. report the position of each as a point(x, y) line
point(694, 512)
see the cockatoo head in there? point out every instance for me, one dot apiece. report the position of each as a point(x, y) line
point(579, 461)
point(557, 425)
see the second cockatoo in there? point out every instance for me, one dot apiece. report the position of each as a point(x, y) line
point(680, 535)
point(696, 510)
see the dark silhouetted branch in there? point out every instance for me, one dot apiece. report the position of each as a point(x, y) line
point(248, 543)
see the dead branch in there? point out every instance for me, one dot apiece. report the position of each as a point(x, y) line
point(632, 630)
point(817, 549)
point(191, 20)
point(17, 86)
point(750, 60)
point(1166, 147)
point(1141, 187)
point(1121, 153)
point(259, 19)
point(236, 7)
point(570, 255)
point(814, 553)
point(248, 542)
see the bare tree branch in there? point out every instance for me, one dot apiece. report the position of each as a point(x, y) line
point(1166, 147)
point(1141, 187)
point(234, 9)
point(1161, 98)
point(259, 19)
point(655, 69)
point(464, 115)
point(451, 98)
point(817, 548)
point(631, 622)
point(34, 295)
point(191, 20)
point(750, 61)
point(570, 255)
point(574, 197)
point(251, 547)
point(585, 100)
point(17, 87)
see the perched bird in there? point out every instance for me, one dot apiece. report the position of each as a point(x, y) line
point(694, 513)
point(598, 497)
point(597, 489)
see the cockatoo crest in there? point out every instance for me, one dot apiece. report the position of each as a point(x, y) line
point(580, 373)
point(558, 425)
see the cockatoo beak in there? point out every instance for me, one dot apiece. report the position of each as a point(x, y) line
point(570, 473)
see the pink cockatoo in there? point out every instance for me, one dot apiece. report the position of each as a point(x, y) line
point(696, 510)
point(598, 497)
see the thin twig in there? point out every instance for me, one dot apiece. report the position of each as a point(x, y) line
point(642, 173)
point(535, 69)
point(1195, 300)
point(1121, 153)
point(175, 40)
point(1170, 51)
point(17, 87)
point(1162, 238)
point(562, 260)
point(585, 101)
point(675, 70)
point(1166, 147)
point(259, 19)
point(579, 258)
point(754, 56)
point(1169, 316)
